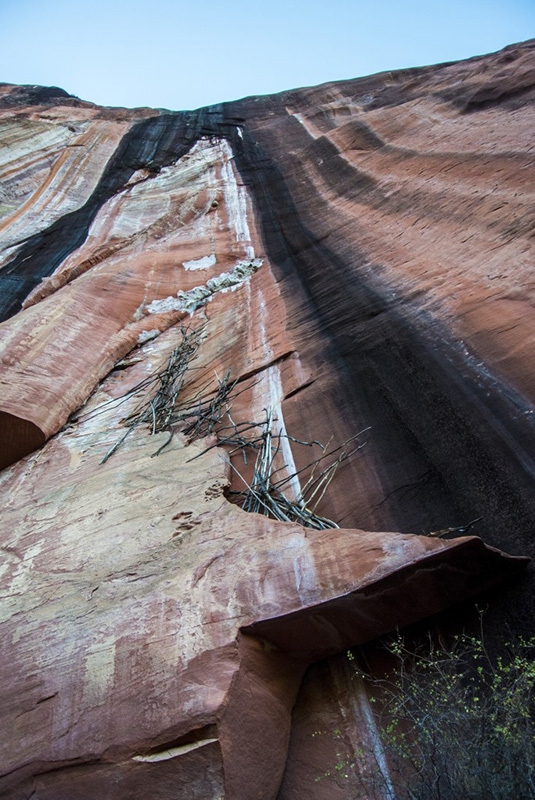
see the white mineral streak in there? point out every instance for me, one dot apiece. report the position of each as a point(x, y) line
point(306, 125)
point(140, 205)
point(276, 396)
point(261, 326)
point(50, 174)
point(99, 671)
point(201, 263)
point(363, 713)
point(395, 549)
point(172, 752)
point(235, 201)
point(29, 137)
point(268, 393)
point(307, 580)
point(198, 296)
point(162, 200)
point(21, 576)
point(146, 336)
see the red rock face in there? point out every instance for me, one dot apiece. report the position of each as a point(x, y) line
point(358, 256)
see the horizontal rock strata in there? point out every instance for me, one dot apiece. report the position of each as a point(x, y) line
point(357, 257)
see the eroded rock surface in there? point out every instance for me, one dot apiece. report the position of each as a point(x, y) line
point(358, 255)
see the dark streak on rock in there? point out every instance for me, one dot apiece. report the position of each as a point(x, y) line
point(35, 95)
point(432, 409)
point(150, 144)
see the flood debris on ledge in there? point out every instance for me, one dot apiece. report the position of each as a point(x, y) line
point(157, 640)
point(161, 408)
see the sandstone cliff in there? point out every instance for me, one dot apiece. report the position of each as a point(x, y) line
point(357, 259)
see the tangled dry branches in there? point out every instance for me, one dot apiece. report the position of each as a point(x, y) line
point(268, 495)
point(271, 490)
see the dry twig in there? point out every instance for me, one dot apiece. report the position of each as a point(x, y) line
point(265, 495)
point(161, 409)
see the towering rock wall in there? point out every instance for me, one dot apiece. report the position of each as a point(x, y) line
point(357, 256)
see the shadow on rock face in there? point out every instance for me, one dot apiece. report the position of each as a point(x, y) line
point(18, 437)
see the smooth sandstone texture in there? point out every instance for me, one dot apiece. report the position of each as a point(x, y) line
point(125, 589)
point(359, 254)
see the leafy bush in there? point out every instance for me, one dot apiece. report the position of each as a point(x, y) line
point(455, 723)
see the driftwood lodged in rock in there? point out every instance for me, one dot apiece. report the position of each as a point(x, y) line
point(355, 263)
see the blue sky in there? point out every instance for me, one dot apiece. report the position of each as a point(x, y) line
point(181, 55)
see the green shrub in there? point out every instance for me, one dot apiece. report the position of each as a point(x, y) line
point(455, 723)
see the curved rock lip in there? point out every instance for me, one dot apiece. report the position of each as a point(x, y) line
point(429, 584)
point(154, 636)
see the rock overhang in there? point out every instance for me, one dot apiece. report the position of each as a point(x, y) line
point(147, 605)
